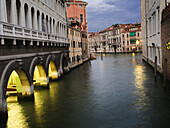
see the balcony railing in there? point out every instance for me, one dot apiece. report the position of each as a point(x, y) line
point(21, 32)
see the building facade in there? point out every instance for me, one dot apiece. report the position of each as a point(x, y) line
point(131, 38)
point(76, 12)
point(75, 54)
point(33, 47)
point(165, 28)
point(40, 21)
point(76, 18)
point(151, 13)
point(119, 38)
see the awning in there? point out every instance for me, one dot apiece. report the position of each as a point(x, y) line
point(132, 34)
point(131, 40)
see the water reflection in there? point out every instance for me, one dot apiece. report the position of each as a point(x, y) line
point(140, 76)
point(142, 104)
point(116, 92)
point(16, 115)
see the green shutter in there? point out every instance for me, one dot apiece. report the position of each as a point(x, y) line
point(131, 40)
point(132, 34)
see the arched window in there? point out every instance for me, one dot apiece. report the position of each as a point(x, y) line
point(43, 23)
point(50, 25)
point(18, 8)
point(26, 14)
point(32, 17)
point(57, 29)
point(38, 20)
point(54, 32)
point(47, 30)
point(8, 9)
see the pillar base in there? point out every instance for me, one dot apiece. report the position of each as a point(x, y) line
point(25, 98)
point(3, 119)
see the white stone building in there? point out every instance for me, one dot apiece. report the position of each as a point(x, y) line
point(151, 13)
point(36, 20)
point(114, 39)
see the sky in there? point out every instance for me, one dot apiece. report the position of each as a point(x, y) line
point(104, 13)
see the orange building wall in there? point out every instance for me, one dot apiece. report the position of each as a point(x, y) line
point(74, 11)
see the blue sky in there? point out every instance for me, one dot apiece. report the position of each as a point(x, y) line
point(104, 13)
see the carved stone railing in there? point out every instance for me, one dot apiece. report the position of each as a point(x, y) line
point(17, 31)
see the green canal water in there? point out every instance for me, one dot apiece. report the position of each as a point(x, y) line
point(118, 92)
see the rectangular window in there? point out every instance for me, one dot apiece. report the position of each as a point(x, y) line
point(158, 19)
point(154, 23)
point(81, 18)
point(74, 44)
point(68, 5)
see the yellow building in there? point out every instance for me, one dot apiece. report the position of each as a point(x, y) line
point(75, 49)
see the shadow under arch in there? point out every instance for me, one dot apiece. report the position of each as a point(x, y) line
point(27, 87)
point(38, 73)
point(52, 71)
point(64, 64)
point(51, 67)
point(40, 77)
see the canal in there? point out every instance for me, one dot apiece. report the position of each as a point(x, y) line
point(118, 92)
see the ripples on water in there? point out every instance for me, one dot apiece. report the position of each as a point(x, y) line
point(119, 91)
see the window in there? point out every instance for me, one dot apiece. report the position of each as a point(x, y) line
point(123, 35)
point(154, 23)
point(138, 33)
point(68, 5)
point(158, 19)
point(74, 44)
point(80, 5)
point(81, 18)
point(127, 35)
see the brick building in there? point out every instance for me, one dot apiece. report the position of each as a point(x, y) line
point(76, 12)
point(76, 18)
point(165, 28)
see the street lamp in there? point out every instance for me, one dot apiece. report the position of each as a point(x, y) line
point(137, 42)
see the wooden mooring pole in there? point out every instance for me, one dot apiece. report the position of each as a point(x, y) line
point(101, 55)
point(165, 73)
point(155, 69)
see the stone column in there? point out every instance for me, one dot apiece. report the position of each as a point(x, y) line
point(22, 17)
point(35, 21)
point(29, 18)
point(52, 27)
point(3, 109)
point(13, 12)
point(40, 22)
point(55, 26)
point(59, 29)
point(3, 13)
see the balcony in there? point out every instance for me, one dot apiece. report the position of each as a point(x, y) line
point(25, 33)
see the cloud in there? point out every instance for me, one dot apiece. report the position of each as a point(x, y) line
point(104, 13)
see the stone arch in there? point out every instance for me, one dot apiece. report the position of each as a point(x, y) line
point(26, 14)
point(27, 90)
point(42, 78)
point(64, 63)
point(18, 12)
